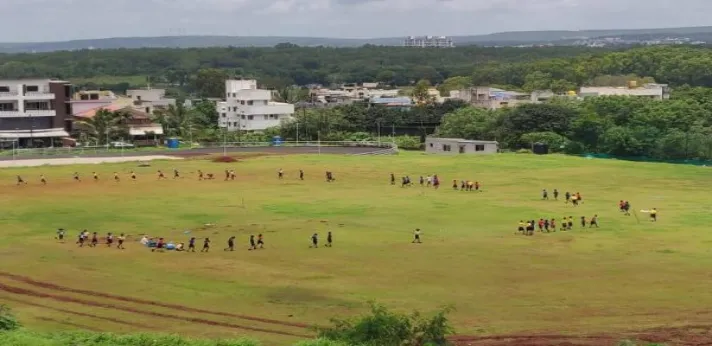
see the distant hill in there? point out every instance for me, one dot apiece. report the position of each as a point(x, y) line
point(496, 39)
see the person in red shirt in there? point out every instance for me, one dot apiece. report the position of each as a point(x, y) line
point(541, 225)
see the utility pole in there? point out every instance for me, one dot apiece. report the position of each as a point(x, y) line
point(297, 132)
point(318, 141)
point(224, 142)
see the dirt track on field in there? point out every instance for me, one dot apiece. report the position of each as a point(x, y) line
point(694, 335)
point(21, 291)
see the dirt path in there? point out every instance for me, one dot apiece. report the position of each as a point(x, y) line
point(54, 287)
point(65, 299)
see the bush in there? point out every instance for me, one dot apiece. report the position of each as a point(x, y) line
point(408, 143)
point(7, 319)
point(385, 328)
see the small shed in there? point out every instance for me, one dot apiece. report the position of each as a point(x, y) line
point(459, 146)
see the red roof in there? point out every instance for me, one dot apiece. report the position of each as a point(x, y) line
point(92, 112)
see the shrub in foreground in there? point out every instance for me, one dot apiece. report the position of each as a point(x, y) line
point(7, 319)
point(385, 328)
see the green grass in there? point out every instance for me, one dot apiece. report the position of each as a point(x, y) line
point(624, 276)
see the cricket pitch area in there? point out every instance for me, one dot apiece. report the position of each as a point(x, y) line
point(630, 278)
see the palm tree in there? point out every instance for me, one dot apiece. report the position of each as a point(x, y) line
point(102, 126)
point(176, 120)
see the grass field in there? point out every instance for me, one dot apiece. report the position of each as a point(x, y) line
point(624, 276)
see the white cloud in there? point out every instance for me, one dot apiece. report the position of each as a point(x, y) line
point(71, 19)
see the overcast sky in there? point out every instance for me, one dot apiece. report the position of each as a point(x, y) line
point(59, 20)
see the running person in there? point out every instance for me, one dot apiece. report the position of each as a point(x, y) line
point(200, 175)
point(315, 240)
point(556, 194)
point(116, 177)
point(133, 175)
point(230, 244)
point(653, 215)
point(96, 176)
point(191, 244)
point(176, 175)
point(544, 194)
point(94, 239)
point(43, 180)
point(280, 174)
point(76, 177)
point(20, 181)
point(260, 241)
point(329, 239)
point(393, 179)
point(109, 239)
point(161, 175)
point(253, 246)
point(206, 245)
point(301, 174)
point(416, 236)
point(120, 241)
point(60, 234)
point(594, 221)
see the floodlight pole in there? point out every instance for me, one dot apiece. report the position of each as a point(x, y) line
point(318, 141)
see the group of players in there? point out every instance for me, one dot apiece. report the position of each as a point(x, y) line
point(83, 239)
point(546, 225)
point(229, 175)
point(160, 244)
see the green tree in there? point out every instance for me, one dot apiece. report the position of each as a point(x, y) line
point(469, 123)
point(210, 82)
point(104, 126)
point(420, 92)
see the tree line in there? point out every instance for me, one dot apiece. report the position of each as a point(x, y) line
point(677, 129)
point(275, 67)
point(197, 71)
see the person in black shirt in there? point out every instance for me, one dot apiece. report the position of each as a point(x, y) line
point(206, 245)
point(328, 239)
point(315, 240)
point(230, 244)
point(191, 244)
point(301, 174)
point(252, 242)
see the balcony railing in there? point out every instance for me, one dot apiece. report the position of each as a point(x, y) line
point(39, 95)
point(27, 113)
point(9, 94)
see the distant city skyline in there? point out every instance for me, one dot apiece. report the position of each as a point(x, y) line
point(62, 20)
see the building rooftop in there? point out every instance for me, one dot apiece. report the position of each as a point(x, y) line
point(460, 140)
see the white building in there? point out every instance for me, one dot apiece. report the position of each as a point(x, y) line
point(35, 112)
point(250, 109)
point(428, 41)
point(652, 91)
point(149, 100)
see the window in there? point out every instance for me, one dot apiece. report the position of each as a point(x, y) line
point(4, 89)
point(7, 107)
point(234, 124)
point(462, 149)
point(32, 88)
point(431, 145)
point(243, 117)
point(266, 116)
point(250, 103)
point(234, 109)
point(479, 147)
point(446, 147)
point(242, 102)
point(250, 117)
point(224, 115)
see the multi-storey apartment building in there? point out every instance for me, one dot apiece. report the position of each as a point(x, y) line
point(149, 100)
point(428, 41)
point(35, 112)
point(250, 109)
